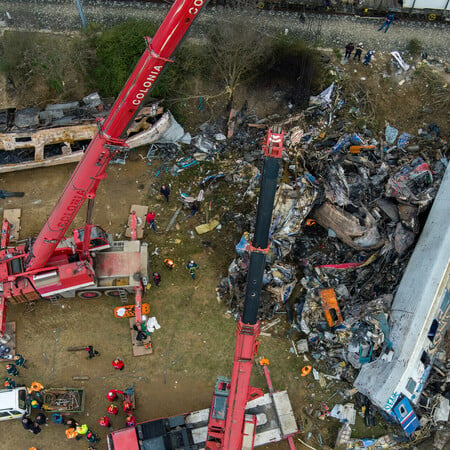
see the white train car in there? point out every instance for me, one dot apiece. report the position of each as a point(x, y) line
point(420, 315)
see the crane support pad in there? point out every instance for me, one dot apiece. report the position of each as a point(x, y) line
point(141, 212)
point(13, 217)
point(140, 348)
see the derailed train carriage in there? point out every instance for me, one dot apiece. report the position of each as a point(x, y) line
point(431, 10)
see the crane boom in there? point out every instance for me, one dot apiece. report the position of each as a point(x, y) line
point(228, 434)
point(91, 169)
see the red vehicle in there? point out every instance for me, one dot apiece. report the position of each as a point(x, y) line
point(90, 263)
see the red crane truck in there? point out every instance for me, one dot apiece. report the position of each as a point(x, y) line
point(48, 266)
point(241, 417)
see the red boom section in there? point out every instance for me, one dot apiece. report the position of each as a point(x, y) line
point(91, 169)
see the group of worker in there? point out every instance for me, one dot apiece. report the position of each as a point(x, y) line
point(191, 266)
point(127, 408)
point(11, 369)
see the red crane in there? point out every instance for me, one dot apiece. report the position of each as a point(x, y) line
point(42, 268)
point(227, 426)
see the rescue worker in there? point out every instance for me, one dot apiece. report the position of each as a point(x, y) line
point(12, 370)
point(91, 437)
point(387, 22)
point(150, 219)
point(35, 387)
point(41, 419)
point(104, 421)
point(169, 263)
point(112, 394)
point(191, 266)
point(9, 383)
point(36, 428)
point(348, 50)
point(36, 404)
point(81, 430)
point(20, 360)
point(91, 351)
point(71, 433)
point(57, 418)
point(156, 278)
point(27, 423)
point(118, 364)
point(130, 421)
point(127, 407)
point(358, 51)
point(112, 409)
point(72, 423)
point(165, 190)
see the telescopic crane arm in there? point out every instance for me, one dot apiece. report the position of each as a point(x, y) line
point(90, 171)
point(228, 434)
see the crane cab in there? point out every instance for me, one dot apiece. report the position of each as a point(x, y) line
point(100, 239)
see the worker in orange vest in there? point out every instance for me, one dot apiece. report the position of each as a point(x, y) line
point(71, 433)
point(169, 263)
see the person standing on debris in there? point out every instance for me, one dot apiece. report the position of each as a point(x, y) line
point(195, 207)
point(12, 370)
point(19, 360)
point(156, 278)
point(349, 49)
point(165, 190)
point(150, 219)
point(387, 22)
point(368, 57)
point(191, 266)
point(91, 351)
point(358, 52)
point(118, 364)
point(169, 263)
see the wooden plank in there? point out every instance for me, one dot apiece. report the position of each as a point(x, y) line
point(13, 217)
point(139, 349)
point(10, 330)
point(141, 212)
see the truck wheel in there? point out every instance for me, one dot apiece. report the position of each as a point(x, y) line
point(89, 294)
point(112, 293)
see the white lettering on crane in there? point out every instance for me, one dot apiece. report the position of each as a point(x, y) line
point(147, 84)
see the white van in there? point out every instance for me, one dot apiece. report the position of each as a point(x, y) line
point(13, 404)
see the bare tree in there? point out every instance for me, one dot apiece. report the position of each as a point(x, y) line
point(236, 50)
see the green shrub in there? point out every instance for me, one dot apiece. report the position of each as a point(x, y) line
point(414, 47)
